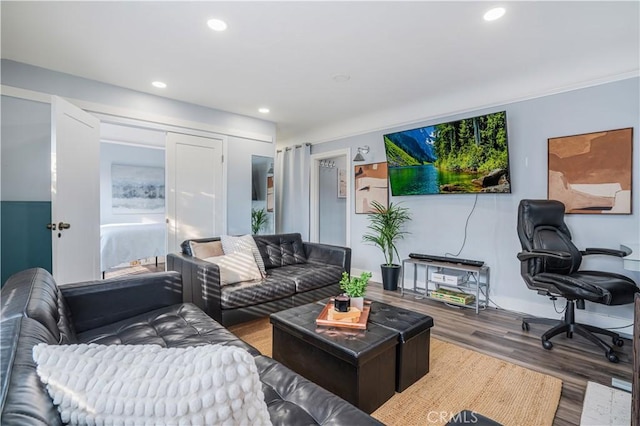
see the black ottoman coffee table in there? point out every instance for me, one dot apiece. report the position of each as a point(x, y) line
point(357, 365)
point(414, 336)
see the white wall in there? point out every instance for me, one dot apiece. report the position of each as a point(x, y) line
point(111, 153)
point(438, 220)
point(26, 150)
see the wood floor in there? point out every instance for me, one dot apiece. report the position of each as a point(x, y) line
point(498, 333)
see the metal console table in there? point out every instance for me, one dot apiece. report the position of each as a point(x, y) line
point(477, 281)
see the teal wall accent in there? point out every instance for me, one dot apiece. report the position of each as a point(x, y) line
point(25, 240)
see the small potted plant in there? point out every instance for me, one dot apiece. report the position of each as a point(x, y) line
point(354, 287)
point(258, 220)
point(386, 229)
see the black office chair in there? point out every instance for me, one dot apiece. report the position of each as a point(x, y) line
point(550, 265)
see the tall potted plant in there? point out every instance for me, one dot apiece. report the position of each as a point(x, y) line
point(386, 228)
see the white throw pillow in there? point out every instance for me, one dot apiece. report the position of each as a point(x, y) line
point(236, 267)
point(204, 250)
point(246, 244)
point(150, 385)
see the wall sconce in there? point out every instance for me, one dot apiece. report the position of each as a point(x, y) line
point(361, 150)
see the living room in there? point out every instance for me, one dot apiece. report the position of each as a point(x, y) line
point(572, 99)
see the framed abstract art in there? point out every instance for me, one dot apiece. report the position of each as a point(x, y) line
point(591, 173)
point(371, 184)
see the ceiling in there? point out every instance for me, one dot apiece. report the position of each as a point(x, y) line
point(407, 61)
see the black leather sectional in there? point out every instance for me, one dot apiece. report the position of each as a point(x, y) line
point(143, 309)
point(297, 273)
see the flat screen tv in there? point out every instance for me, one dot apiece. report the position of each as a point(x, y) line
point(464, 156)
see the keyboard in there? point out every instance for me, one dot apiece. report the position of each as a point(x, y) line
point(432, 258)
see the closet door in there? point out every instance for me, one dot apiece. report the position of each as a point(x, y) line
point(194, 181)
point(75, 193)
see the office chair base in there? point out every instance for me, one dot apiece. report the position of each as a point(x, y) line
point(569, 326)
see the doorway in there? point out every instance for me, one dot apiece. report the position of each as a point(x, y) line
point(331, 188)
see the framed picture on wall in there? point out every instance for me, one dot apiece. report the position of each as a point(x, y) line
point(371, 184)
point(342, 183)
point(270, 194)
point(137, 189)
point(591, 173)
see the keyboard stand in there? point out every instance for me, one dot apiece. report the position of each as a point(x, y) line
point(477, 281)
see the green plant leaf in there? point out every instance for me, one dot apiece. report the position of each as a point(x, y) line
point(386, 228)
point(355, 286)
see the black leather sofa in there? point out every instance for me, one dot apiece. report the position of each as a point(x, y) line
point(143, 309)
point(297, 273)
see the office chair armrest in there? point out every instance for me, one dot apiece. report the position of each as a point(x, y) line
point(605, 251)
point(530, 254)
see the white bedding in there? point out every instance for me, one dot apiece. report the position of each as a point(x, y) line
point(125, 242)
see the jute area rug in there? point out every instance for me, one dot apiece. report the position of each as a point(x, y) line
point(458, 379)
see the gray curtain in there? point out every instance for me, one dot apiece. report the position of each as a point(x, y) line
point(292, 190)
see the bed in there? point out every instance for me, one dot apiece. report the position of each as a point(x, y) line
point(126, 242)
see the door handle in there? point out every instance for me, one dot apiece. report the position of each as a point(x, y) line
point(51, 226)
point(63, 225)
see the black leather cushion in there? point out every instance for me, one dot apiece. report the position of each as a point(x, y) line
point(273, 287)
point(294, 400)
point(281, 250)
point(25, 398)
point(307, 276)
point(34, 293)
point(599, 287)
point(177, 326)
point(407, 323)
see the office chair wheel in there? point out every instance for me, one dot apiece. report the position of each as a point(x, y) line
point(547, 344)
point(618, 342)
point(612, 357)
point(525, 326)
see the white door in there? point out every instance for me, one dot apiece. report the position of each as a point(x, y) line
point(194, 182)
point(75, 193)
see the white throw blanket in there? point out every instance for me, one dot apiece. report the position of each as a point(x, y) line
point(149, 385)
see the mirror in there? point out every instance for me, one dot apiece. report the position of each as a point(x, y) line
point(262, 195)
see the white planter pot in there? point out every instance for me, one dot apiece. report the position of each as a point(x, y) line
point(357, 302)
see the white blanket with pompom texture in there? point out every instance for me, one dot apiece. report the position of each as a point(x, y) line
point(149, 385)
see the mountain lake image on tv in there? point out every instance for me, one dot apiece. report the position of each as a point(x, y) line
point(464, 156)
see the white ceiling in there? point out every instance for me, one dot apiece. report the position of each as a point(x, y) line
point(407, 60)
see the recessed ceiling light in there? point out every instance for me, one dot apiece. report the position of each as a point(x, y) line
point(263, 110)
point(159, 84)
point(495, 13)
point(341, 78)
point(217, 24)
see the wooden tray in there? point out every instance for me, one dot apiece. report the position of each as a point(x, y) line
point(361, 324)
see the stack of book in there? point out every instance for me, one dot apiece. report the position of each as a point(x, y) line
point(453, 296)
point(353, 315)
